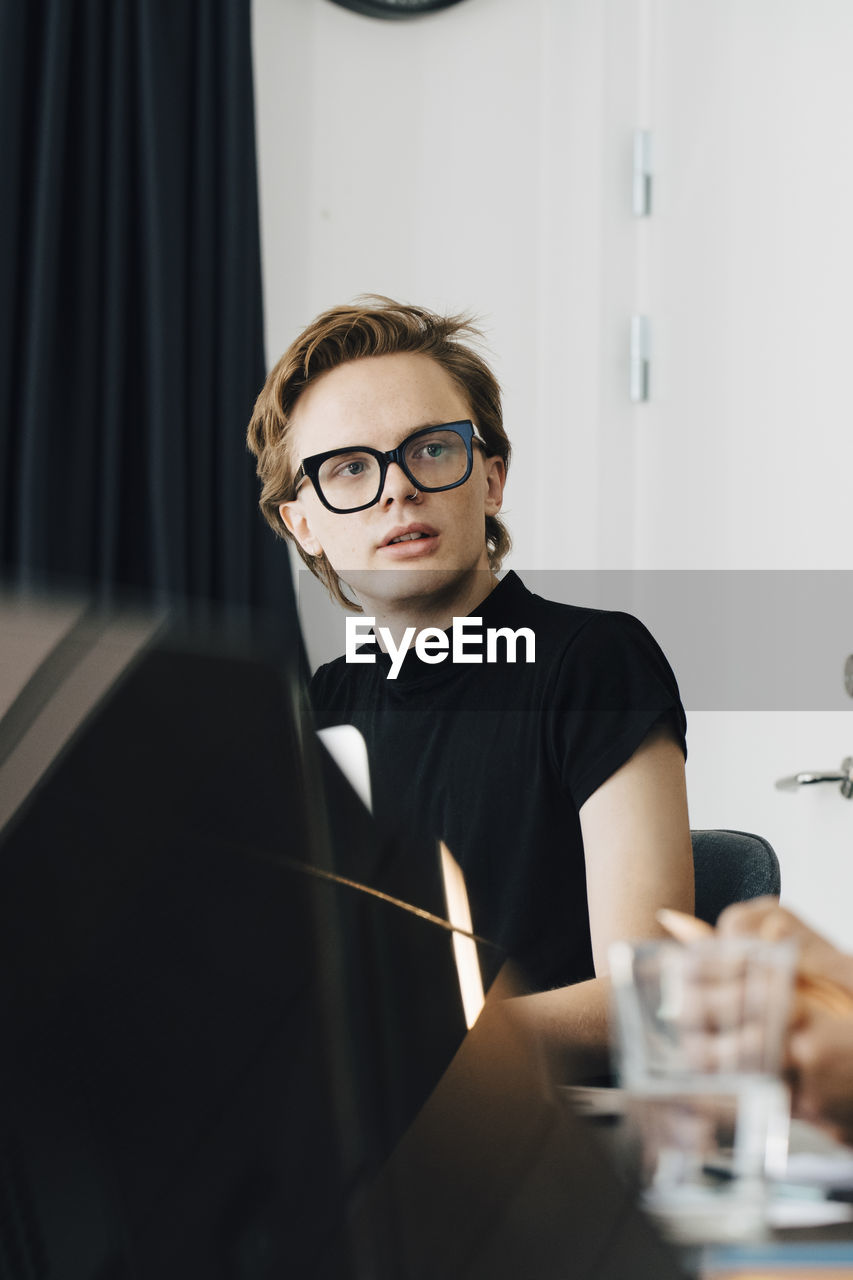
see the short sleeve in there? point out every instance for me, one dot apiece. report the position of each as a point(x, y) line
point(328, 695)
point(319, 690)
point(612, 687)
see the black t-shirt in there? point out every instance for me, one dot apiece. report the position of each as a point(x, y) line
point(497, 759)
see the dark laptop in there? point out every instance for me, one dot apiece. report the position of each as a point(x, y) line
point(228, 1049)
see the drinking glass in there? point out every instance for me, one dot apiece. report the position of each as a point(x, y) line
point(699, 1032)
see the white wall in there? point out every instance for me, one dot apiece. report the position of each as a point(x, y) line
point(481, 158)
point(746, 451)
point(455, 160)
point(749, 283)
point(735, 759)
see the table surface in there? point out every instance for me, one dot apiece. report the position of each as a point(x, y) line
point(808, 1246)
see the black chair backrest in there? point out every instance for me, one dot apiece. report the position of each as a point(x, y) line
point(731, 866)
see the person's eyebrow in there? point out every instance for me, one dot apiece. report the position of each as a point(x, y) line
point(425, 426)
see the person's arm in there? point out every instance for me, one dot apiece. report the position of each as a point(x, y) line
point(820, 1042)
point(637, 846)
point(638, 858)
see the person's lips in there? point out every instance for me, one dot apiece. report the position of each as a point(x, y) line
point(408, 533)
point(410, 540)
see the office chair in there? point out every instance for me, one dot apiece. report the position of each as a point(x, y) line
point(731, 866)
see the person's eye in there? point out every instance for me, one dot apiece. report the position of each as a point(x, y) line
point(351, 469)
point(431, 449)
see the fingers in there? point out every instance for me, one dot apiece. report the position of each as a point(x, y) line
point(761, 918)
point(730, 1009)
point(735, 1049)
point(820, 1051)
point(801, 1010)
point(764, 918)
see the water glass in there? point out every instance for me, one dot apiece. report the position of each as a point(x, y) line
point(698, 1036)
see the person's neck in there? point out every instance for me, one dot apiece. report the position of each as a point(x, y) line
point(431, 609)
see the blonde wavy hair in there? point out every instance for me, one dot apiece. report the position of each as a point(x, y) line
point(372, 326)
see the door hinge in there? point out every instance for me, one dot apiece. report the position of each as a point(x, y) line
point(642, 187)
point(641, 353)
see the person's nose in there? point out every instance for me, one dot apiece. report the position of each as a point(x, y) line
point(398, 487)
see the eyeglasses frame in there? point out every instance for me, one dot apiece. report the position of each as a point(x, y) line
point(310, 467)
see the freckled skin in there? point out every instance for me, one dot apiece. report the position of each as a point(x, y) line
point(378, 401)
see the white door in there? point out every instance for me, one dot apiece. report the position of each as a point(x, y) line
point(744, 451)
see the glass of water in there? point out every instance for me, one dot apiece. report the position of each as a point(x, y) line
point(698, 1035)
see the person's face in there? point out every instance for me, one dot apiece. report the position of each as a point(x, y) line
point(379, 401)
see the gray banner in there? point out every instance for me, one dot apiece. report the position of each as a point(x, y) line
point(745, 640)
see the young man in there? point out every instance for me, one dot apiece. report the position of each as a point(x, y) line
point(556, 782)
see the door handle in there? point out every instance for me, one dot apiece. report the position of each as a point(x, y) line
point(844, 777)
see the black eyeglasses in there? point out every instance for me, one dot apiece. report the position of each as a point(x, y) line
point(433, 458)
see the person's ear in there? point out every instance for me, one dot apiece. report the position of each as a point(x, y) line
point(296, 519)
point(495, 472)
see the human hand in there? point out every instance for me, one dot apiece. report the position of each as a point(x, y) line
point(735, 997)
point(730, 989)
point(819, 1050)
point(818, 961)
point(820, 1067)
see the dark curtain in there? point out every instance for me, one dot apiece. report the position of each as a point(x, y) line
point(130, 299)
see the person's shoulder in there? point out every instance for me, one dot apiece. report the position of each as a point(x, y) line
point(328, 682)
point(341, 688)
point(611, 638)
point(614, 625)
point(330, 670)
point(566, 622)
point(515, 601)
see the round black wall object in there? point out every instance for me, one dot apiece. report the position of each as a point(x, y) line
point(395, 8)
